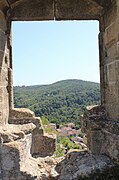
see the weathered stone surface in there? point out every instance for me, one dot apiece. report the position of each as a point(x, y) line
point(20, 113)
point(77, 10)
point(9, 137)
point(3, 42)
point(110, 14)
point(33, 10)
point(15, 152)
point(4, 105)
point(4, 97)
point(94, 118)
point(17, 162)
point(111, 34)
point(46, 165)
point(102, 134)
point(111, 88)
point(112, 52)
point(79, 165)
point(43, 145)
point(3, 77)
point(2, 21)
point(10, 133)
point(112, 99)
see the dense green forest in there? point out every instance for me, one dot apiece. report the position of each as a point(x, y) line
point(60, 102)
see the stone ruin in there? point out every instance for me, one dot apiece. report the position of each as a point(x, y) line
point(21, 133)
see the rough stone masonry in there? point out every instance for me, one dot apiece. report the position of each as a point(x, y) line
point(100, 123)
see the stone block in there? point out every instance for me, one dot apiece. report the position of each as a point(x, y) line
point(111, 127)
point(110, 145)
point(111, 74)
point(3, 77)
point(102, 133)
point(117, 70)
point(1, 58)
point(117, 2)
point(113, 93)
point(2, 21)
point(3, 5)
point(112, 53)
point(4, 108)
point(4, 60)
point(111, 34)
point(21, 113)
point(9, 163)
point(112, 100)
point(110, 14)
point(3, 42)
point(1, 113)
point(118, 49)
point(77, 10)
point(0, 97)
point(43, 145)
point(33, 10)
point(94, 118)
point(104, 142)
point(113, 111)
point(112, 90)
point(2, 33)
point(96, 141)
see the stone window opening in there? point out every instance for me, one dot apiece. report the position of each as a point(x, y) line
point(100, 123)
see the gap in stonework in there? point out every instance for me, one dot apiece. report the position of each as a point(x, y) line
point(50, 52)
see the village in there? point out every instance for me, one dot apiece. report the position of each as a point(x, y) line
point(69, 133)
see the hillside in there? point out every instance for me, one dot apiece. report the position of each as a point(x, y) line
point(60, 102)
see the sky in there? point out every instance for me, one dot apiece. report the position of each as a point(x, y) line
point(48, 51)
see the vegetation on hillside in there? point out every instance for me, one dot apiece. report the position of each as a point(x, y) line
point(61, 102)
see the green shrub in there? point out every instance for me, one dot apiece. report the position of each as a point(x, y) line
point(44, 120)
point(60, 151)
point(66, 142)
point(48, 129)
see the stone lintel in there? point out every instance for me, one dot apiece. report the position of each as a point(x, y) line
point(30, 10)
point(77, 10)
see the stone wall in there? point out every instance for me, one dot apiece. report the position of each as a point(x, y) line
point(111, 61)
point(4, 66)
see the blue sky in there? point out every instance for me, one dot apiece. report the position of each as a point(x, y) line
point(50, 51)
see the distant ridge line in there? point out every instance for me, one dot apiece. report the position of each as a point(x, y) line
point(57, 82)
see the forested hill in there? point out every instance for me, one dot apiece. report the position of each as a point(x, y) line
point(60, 102)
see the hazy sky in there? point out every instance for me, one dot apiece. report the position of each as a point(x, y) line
point(46, 52)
